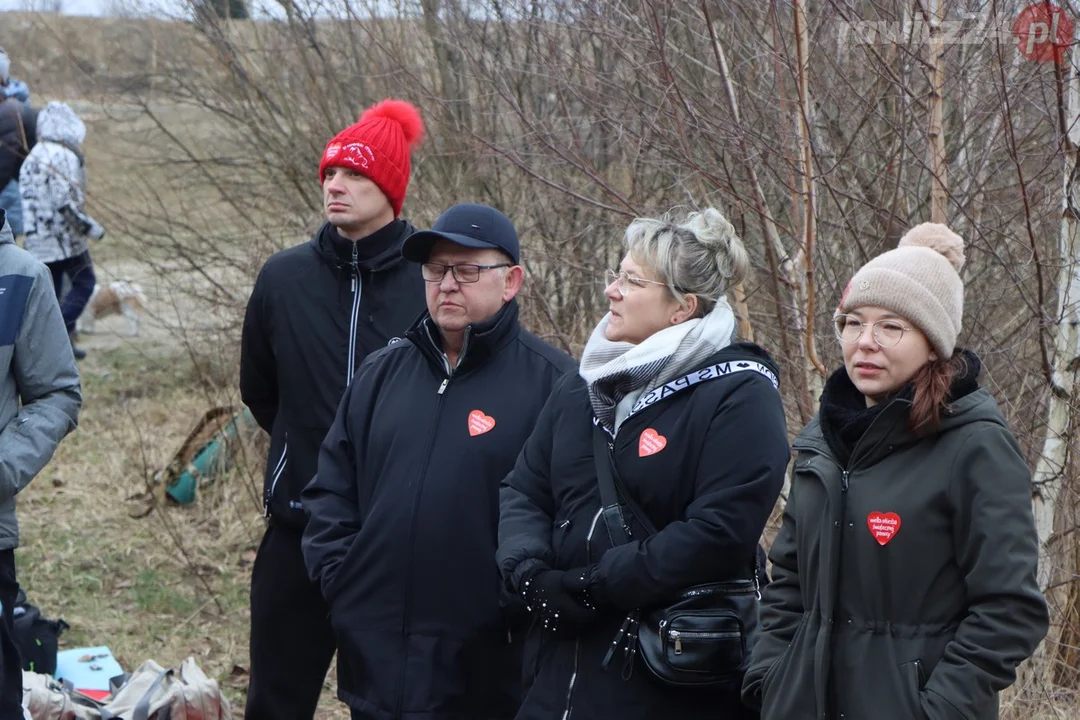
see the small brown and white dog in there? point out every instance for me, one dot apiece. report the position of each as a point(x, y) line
point(120, 297)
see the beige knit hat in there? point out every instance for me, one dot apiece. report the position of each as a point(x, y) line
point(919, 280)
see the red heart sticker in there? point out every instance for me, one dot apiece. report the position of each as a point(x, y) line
point(650, 443)
point(883, 526)
point(479, 423)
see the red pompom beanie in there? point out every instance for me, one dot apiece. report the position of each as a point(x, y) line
point(378, 147)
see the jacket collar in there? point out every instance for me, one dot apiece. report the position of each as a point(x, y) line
point(483, 340)
point(887, 427)
point(5, 229)
point(381, 249)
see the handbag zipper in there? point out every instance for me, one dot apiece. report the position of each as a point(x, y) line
point(676, 636)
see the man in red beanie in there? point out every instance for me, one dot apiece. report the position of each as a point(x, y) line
point(317, 310)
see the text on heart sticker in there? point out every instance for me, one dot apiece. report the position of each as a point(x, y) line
point(479, 423)
point(650, 443)
point(883, 526)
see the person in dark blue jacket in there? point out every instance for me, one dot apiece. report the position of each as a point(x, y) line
point(404, 507)
point(694, 427)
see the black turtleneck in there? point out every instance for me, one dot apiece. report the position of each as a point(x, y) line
point(845, 417)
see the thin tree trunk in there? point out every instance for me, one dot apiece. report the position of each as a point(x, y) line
point(815, 371)
point(786, 269)
point(939, 193)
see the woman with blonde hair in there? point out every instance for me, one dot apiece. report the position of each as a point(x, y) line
point(630, 524)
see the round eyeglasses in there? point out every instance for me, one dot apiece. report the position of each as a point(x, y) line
point(887, 333)
point(624, 282)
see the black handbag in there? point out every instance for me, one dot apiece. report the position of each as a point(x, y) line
point(37, 638)
point(704, 635)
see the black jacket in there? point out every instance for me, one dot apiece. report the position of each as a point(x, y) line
point(404, 514)
point(708, 491)
point(904, 580)
point(315, 314)
point(17, 119)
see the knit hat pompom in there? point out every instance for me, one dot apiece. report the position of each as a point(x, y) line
point(936, 237)
point(401, 112)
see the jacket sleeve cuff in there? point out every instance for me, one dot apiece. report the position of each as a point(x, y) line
point(524, 570)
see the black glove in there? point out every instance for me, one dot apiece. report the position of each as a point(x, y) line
point(559, 599)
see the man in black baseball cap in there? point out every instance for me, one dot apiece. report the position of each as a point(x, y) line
point(403, 511)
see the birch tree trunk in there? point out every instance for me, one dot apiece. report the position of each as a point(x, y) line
point(1055, 481)
point(939, 195)
point(815, 371)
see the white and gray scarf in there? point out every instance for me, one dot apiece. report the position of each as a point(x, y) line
point(618, 373)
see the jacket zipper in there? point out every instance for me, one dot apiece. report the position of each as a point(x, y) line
point(577, 641)
point(845, 476)
point(416, 501)
point(279, 469)
point(443, 359)
point(845, 483)
point(354, 317)
point(407, 610)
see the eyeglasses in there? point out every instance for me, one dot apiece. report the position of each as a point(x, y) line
point(887, 333)
point(624, 281)
point(463, 273)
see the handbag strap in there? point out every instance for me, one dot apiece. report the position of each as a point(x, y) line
point(612, 495)
point(611, 492)
point(142, 708)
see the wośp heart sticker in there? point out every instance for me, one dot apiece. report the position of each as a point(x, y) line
point(883, 526)
point(650, 443)
point(479, 423)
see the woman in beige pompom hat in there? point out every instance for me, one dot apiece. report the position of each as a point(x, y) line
point(904, 572)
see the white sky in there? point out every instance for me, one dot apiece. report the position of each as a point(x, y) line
point(89, 7)
point(174, 8)
point(71, 7)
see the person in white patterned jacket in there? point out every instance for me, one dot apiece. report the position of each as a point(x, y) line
point(52, 182)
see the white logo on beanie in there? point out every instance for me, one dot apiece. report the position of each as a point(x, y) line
point(332, 151)
point(360, 155)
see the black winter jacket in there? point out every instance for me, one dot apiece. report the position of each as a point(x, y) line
point(708, 490)
point(18, 124)
point(404, 517)
point(904, 583)
point(315, 314)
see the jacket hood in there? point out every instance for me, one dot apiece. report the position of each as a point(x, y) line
point(58, 123)
point(6, 235)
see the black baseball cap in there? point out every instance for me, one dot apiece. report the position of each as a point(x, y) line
point(469, 225)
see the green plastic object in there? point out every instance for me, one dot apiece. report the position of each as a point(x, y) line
point(210, 462)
